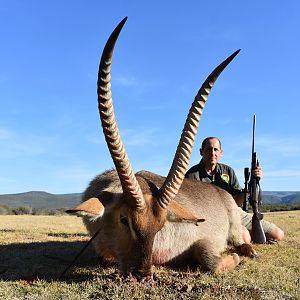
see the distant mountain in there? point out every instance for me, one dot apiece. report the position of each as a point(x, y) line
point(64, 201)
point(41, 200)
point(281, 197)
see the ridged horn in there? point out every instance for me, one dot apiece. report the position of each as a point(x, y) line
point(171, 186)
point(129, 183)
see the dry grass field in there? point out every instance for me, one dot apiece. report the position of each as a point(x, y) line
point(34, 251)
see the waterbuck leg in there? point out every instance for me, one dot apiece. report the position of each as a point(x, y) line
point(209, 259)
point(227, 263)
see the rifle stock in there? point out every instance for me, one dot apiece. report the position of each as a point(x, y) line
point(258, 235)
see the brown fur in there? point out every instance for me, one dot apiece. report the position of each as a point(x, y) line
point(177, 235)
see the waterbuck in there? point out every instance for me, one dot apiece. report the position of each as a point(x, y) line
point(144, 219)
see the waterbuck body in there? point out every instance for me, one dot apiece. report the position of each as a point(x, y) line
point(144, 219)
point(199, 224)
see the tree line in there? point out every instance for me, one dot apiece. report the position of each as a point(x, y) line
point(28, 210)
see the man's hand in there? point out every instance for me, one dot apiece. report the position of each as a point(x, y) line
point(257, 172)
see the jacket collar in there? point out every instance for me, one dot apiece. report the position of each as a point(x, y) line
point(218, 167)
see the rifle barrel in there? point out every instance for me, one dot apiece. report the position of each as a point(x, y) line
point(253, 133)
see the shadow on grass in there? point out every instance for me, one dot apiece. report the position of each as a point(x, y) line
point(46, 260)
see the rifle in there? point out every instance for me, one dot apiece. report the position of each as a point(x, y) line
point(258, 235)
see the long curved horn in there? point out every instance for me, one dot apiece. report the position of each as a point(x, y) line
point(116, 148)
point(172, 184)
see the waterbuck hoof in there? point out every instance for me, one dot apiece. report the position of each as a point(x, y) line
point(236, 258)
point(228, 263)
point(247, 250)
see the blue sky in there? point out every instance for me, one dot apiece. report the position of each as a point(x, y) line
point(50, 134)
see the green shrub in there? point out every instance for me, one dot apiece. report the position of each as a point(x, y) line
point(22, 210)
point(5, 210)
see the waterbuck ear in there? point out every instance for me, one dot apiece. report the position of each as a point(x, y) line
point(177, 213)
point(91, 207)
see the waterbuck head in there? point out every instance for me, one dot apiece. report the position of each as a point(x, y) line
point(139, 209)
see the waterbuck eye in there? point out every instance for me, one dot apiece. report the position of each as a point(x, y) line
point(124, 220)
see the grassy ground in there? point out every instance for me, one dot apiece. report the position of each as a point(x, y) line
point(34, 251)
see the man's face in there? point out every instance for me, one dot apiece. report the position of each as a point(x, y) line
point(212, 152)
